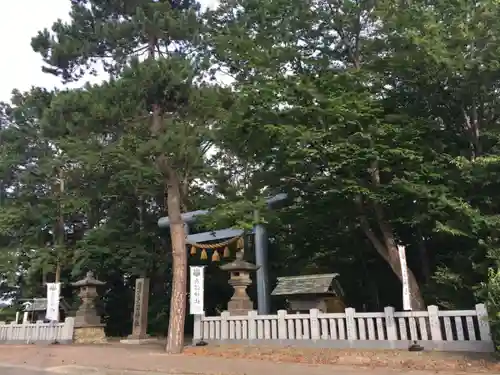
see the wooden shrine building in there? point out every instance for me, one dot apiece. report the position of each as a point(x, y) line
point(37, 308)
point(322, 292)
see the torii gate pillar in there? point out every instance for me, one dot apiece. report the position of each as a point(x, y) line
point(261, 240)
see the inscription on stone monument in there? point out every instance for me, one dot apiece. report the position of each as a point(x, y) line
point(140, 312)
point(138, 302)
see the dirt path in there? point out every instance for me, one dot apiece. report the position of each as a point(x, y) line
point(196, 361)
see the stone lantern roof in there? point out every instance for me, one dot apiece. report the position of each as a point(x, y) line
point(239, 264)
point(88, 280)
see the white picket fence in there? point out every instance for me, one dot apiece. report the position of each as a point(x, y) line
point(29, 333)
point(434, 329)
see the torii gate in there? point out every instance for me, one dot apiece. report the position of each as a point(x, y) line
point(261, 240)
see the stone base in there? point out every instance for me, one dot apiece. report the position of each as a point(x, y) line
point(240, 312)
point(139, 341)
point(90, 335)
point(240, 306)
point(138, 336)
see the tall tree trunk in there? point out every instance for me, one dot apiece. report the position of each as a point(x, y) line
point(417, 301)
point(387, 247)
point(472, 131)
point(175, 338)
point(58, 272)
point(388, 250)
point(424, 257)
point(173, 189)
point(60, 230)
point(391, 247)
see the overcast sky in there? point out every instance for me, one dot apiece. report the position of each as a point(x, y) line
point(20, 67)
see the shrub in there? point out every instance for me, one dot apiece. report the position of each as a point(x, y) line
point(490, 291)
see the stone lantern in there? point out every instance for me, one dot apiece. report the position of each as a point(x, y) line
point(239, 271)
point(88, 326)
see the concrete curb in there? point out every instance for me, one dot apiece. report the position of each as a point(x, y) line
point(20, 367)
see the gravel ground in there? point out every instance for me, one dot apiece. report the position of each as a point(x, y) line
point(388, 359)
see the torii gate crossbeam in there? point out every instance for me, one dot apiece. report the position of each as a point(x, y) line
point(261, 241)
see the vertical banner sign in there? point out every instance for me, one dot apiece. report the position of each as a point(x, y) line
point(196, 290)
point(404, 277)
point(53, 293)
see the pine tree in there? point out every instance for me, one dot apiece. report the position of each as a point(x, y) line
point(160, 90)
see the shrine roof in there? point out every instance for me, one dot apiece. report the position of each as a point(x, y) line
point(40, 304)
point(308, 284)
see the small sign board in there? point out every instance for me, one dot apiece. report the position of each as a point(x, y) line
point(196, 290)
point(404, 277)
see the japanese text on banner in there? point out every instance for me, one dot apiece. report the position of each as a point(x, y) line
point(53, 293)
point(196, 290)
point(404, 277)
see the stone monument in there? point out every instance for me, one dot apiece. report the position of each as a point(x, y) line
point(140, 317)
point(239, 271)
point(88, 326)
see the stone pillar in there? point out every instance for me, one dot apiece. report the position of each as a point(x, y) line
point(140, 317)
point(262, 261)
point(240, 303)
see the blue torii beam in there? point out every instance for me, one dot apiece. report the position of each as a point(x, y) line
point(261, 240)
point(221, 234)
point(190, 217)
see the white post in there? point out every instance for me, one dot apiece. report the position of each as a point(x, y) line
point(38, 331)
point(68, 330)
point(350, 323)
point(483, 322)
point(10, 332)
point(252, 325)
point(224, 325)
point(390, 323)
point(434, 323)
point(24, 333)
point(313, 317)
point(282, 328)
point(198, 328)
